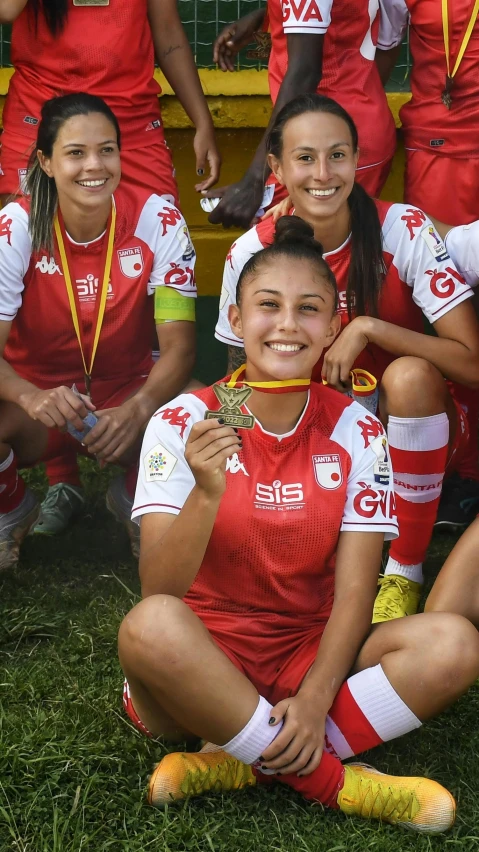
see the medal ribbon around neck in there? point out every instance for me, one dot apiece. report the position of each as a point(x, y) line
point(100, 298)
point(463, 41)
point(285, 386)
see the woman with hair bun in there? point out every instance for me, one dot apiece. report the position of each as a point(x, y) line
point(258, 566)
point(81, 258)
point(393, 271)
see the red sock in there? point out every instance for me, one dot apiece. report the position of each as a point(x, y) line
point(468, 398)
point(323, 785)
point(418, 449)
point(12, 486)
point(131, 476)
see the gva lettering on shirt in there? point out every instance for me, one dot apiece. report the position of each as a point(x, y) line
point(278, 495)
point(368, 502)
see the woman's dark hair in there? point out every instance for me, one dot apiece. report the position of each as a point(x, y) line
point(367, 268)
point(294, 239)
point(54, 11)
point(40, 187)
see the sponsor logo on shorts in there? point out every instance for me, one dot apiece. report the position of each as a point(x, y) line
point(434, 243)
point(328, 471)
point(131, 261)
point(436, 143)
point(279, 497)
point(30, 119)
point(233, 465)
point(159, 464)
point(153, 125)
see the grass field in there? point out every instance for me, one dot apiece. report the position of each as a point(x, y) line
point(73, 770)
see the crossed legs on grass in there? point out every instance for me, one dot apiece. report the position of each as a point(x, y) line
point(422, 421)
point(405, 673)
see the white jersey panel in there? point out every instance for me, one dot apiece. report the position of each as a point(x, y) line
point(370, 502)
point(422, 261)
point(392, 23)
point(164, 476)
point(239, 253)
point(462, 243)
point(162, 227)
point(306, 16)
point(15, 254)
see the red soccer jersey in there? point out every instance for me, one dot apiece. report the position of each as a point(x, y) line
point(421, 278)
point(271, 554)
point(103, 50)
point(151, 249)
point(349, 75)
point(427, 123)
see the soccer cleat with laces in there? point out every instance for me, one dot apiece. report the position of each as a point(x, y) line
point(181, 775)
point(459, 504)
point(396, 598)
point(415, 803)
point(120, 504)
point(14, 526)
point(62, 503)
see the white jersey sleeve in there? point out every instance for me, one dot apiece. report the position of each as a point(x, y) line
point(164, 476)
point(306, 16)
point(162, 227)
point(462, 243)
point(15, 254)
point(422, 261)
point(239, 253)
point(370, 502)
point(393, 21)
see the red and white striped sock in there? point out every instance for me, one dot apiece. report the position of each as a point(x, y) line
point(418, 448)
point(12, 486)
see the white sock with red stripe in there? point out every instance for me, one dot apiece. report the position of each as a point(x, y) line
point(256, 735)
point(418, 448)
point(366, 712)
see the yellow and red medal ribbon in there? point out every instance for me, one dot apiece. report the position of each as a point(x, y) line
point(285, 386)
point(462, 43)
point(101, 295)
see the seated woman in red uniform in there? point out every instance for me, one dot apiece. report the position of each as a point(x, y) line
point(272, 536)
point(84, 265)
point(392, 270)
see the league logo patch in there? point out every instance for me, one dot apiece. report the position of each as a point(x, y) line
point(434, 243)
point(131, 262)
point(381, 469)
point(186, 245)
point(328, 471)
point(159, 464)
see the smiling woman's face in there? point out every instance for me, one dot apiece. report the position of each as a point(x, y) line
point(317, 164)
point(85, 161)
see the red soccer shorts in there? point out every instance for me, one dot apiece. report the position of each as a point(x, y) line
point(150, 168)
point(444, 187)
point(275, 664)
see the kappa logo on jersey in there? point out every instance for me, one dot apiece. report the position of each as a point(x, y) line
point(6, 228)
point(279, 497)
point(233, 465)
point(169, 216)
point(178, 275)
point(441, 288)
point(434, 243)
point(303, 10)
point(183, 237)
point(159, 464)
point(176, 417)
point(87, 288)
point(371, 428)
point(131, 261)
point(153, 125)
point(369, 502)
point(48, 267)
point(328, 471)
point(414, 219)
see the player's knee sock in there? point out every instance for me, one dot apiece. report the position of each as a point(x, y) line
point(12, 486)
point(418, 448)
point(468, 398)
point(131, 476)
point(63, 468)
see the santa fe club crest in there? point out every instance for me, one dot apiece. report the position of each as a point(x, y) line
point(131, 262)
point(328, 471)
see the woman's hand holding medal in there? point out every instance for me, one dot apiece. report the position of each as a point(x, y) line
point(57, 406)
point(209, 444)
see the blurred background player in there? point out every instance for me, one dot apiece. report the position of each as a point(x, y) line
point(81, 259)
point(268, 652)
point(441, 125)
point(319, 45)
point(392, 271)
point(107, 49)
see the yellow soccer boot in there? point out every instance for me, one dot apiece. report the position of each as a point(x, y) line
point(396, 598)
point(181, 774)
point(415, 803)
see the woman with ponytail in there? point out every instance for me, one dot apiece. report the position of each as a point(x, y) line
point(80, 259)
point(392, 270)
point(261, 537)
